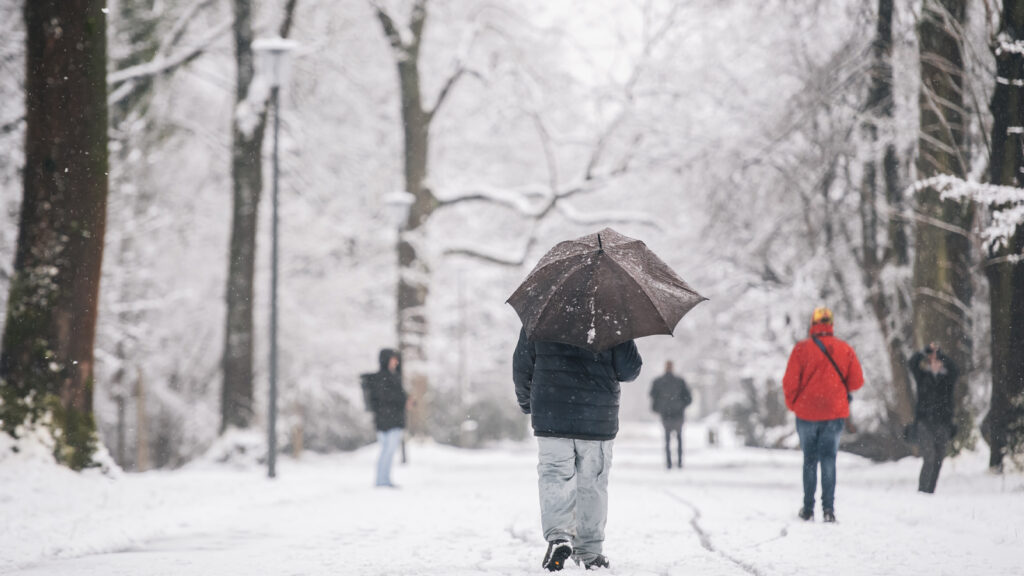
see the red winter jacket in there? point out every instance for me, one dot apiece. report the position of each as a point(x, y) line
point(813, 389)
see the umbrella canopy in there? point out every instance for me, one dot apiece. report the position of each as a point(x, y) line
point(600, 290)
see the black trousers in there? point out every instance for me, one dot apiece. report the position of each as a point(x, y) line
point(673, 425)
point(933, 439)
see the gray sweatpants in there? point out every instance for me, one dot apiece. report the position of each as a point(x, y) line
point(573, 480)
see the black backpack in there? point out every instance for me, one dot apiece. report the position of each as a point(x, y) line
point(366, 382)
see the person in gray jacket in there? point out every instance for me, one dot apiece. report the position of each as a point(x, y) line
point(572, 395)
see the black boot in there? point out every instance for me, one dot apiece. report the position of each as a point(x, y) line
point(558, 551)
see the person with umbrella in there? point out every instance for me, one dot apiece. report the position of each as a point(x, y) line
point(582, 307)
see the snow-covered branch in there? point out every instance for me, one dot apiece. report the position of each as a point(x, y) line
point(608, 217)
point(493, 256)
point(163, 65)
point(1007, 45)
point(177, 31)
point(1006, 202)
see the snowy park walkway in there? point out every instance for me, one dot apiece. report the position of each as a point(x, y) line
point(730, 512)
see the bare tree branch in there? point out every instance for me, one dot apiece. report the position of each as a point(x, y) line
point(611, 217)
point(289, 18)
point(177, 31)
point(10, 126)
point(460, 70)
point(417, 21)
point(162, 65)
point(390, 29)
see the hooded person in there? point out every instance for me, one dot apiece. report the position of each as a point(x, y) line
point(821, 373)
point(386, 399)
point(936, 375)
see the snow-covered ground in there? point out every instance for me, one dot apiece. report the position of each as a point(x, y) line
point(730, 511)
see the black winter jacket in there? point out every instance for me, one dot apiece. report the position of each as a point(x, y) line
point(386, 395)
point(934, 391)
point(572, 392)
point(670, 396)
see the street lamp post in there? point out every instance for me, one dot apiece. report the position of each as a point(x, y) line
point(272, 67)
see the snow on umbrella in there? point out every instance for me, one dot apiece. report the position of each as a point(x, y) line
point(600, 290)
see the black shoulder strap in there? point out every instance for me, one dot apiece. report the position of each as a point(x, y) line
point(824, 350)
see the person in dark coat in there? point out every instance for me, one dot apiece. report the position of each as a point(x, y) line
point(572, 397)
point(669, 398)
point(387, 399)
point(936, 377)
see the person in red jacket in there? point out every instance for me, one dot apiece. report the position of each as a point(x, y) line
point(822, 372)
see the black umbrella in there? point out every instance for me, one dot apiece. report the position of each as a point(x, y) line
point(600, 290)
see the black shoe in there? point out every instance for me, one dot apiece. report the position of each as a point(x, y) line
point(806, 514)
point(599, 562)
point(828, 516)
point(558, 551)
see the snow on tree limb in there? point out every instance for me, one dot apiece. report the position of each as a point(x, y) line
point(1007, 45)
point(1006, 203)
point(163, 65)
point(610, 217)
point(180, 26)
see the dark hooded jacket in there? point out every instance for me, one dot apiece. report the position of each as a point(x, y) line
point(934, 391)
point(572, 392)
point(385, 395)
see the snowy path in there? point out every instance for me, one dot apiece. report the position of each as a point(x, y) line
point(730, 512)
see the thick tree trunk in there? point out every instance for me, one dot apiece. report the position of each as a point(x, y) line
point(248, 126)
point(414, 272)
point(888, 304)
point(247, 184)
point(942, 266)
point(1006, 275)
point(46, 363)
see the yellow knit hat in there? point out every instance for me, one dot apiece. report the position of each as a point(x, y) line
point(821, 315)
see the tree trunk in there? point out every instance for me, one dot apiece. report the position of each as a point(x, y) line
point(247, 184)
point(248, 126)
point(890, 308)
point(1005, 275)
point(942, 266)
point(46, 363)
point(414, 273)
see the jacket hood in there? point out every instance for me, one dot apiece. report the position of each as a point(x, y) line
point(386, 355)
point(820, 330)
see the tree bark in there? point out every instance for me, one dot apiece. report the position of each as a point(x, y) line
point(247, 184)
point(248, 127)
point(414, 273)
point(942, 266)
point(891, 309)
point(1006, 275)
point(46, 363)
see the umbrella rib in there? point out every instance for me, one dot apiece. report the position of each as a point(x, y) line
point(644, 290)
point(562, 259)
point(565, 278)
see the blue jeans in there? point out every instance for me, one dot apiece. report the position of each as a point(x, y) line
point(389, 441)
point(820, 443)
